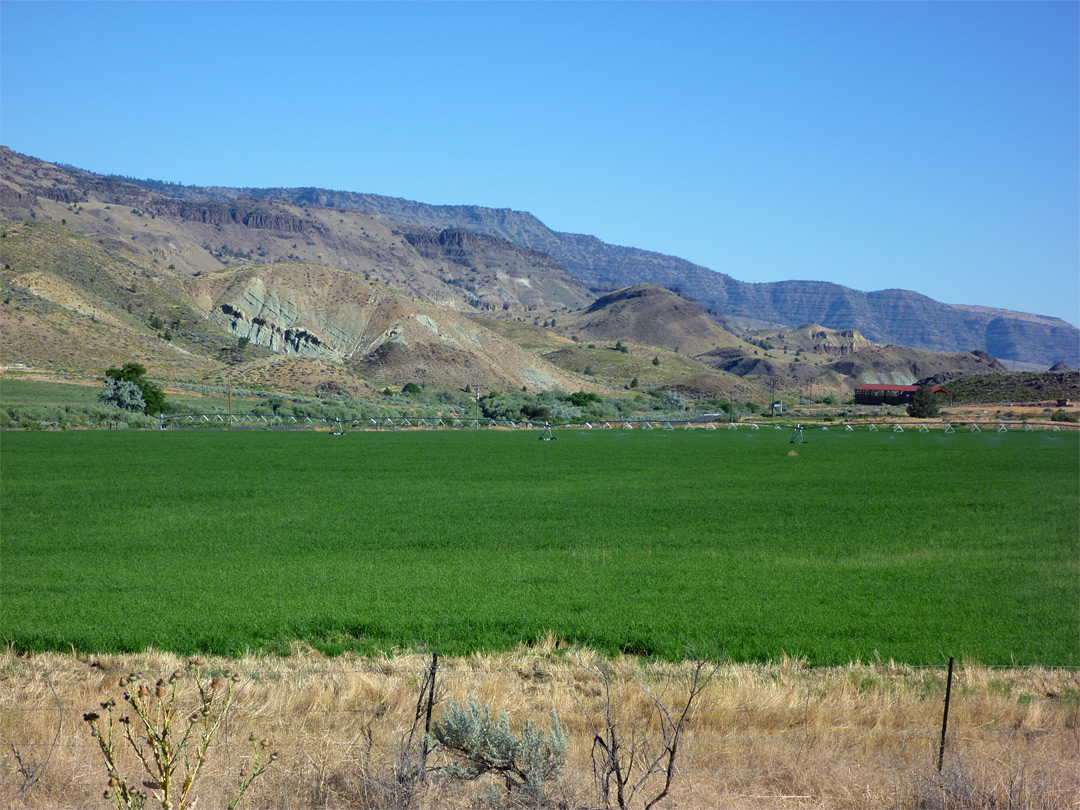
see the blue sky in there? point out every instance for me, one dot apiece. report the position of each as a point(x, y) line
point(929, 146)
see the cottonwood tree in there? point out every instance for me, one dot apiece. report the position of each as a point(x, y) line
point(151, 398)
point(122, 394)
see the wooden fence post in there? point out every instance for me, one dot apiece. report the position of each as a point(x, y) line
point(945, 717)
point(430, 701)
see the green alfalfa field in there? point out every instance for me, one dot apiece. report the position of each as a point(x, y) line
point(856, 545)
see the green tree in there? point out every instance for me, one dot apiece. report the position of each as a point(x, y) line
point(581, 399)
point(924, 405)
point(122, 394)
point(153, 397)
point(656, 360)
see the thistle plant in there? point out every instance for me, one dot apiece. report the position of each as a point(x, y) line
point(170, 743)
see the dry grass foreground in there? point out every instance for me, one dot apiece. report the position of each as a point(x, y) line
point(773, 736)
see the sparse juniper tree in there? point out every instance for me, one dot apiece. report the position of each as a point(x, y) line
point(924, 405)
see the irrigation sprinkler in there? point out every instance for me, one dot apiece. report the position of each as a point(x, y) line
point(546, 435)
point(797, 436)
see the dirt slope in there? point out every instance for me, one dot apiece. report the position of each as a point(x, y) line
point(653, 315)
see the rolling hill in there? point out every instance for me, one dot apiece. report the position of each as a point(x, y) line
point(295, 295)
point(71, 304)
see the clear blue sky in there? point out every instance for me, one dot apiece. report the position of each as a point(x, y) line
point(929, 146)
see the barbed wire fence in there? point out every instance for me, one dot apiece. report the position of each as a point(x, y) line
point(756, 736)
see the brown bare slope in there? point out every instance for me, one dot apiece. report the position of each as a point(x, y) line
point(650, 314)
point(901, 365)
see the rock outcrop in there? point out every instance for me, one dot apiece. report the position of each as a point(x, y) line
point(331, 315)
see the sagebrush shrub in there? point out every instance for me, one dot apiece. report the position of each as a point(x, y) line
point(530, 764)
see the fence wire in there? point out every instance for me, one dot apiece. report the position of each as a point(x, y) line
point(793, 735)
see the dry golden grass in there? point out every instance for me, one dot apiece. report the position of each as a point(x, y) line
point(778, 736)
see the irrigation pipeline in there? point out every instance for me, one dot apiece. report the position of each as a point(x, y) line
point(407, 422)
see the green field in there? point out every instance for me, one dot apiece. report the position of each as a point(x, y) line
point(37, 392)
point(908, 546)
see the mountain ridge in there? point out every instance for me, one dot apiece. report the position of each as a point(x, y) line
point(894, 316)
